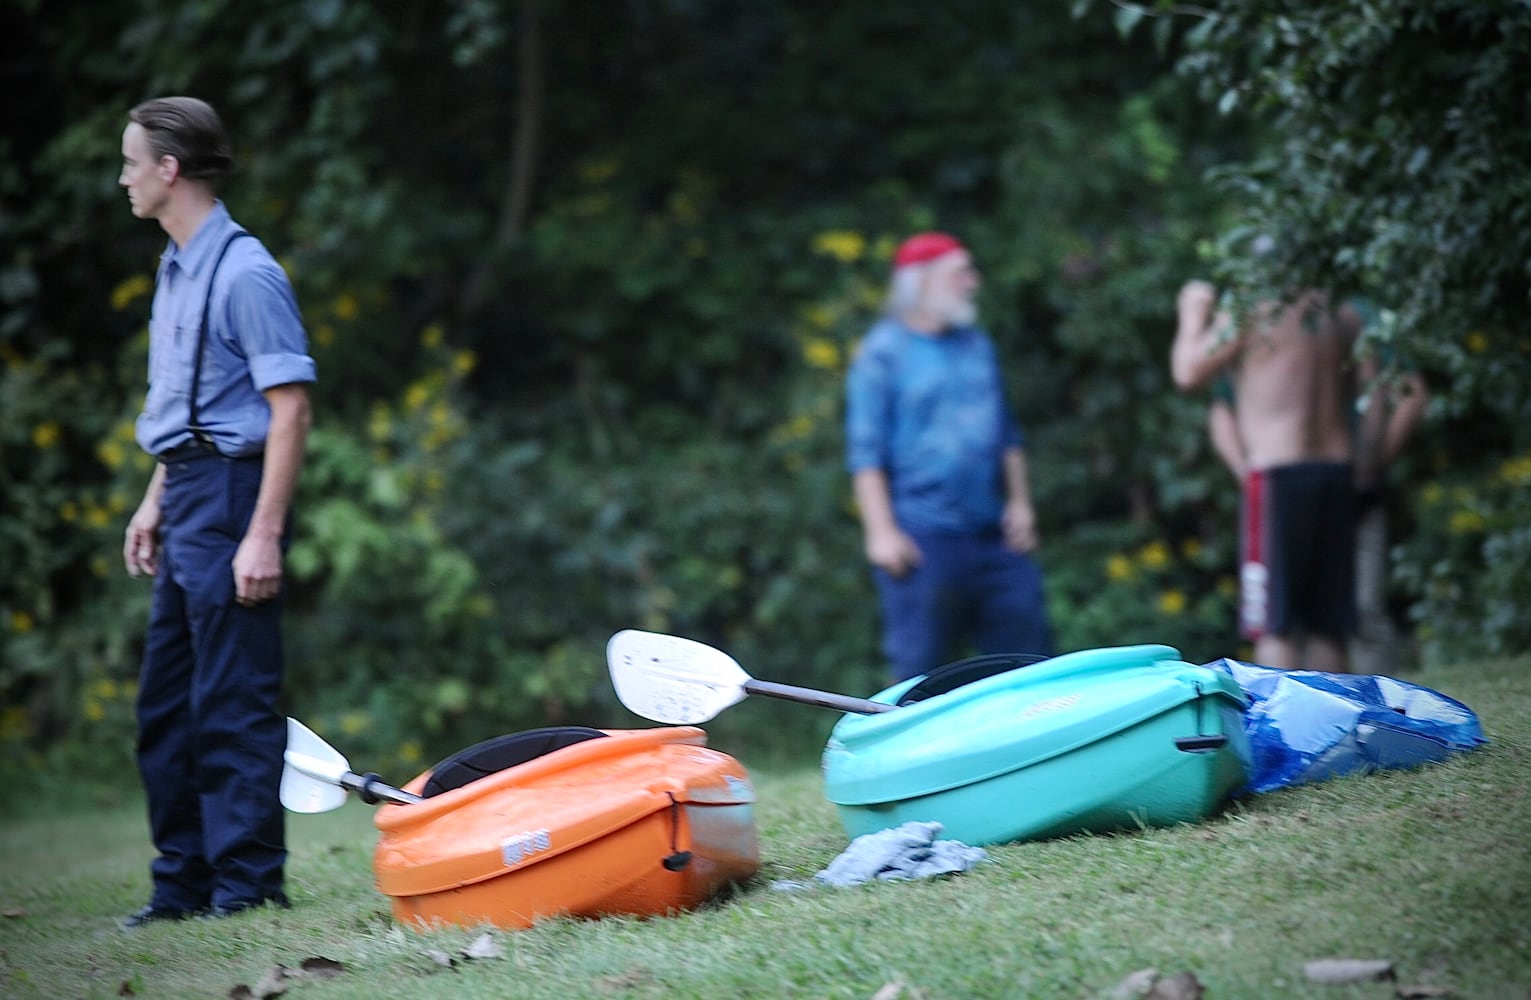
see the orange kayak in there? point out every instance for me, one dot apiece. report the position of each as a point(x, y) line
point(621, 822)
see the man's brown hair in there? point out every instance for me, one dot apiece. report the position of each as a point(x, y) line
point(189, 130)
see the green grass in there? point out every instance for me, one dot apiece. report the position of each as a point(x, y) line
point(1430, 869)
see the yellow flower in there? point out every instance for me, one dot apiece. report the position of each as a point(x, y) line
point(68, 511)
point(596, 171)
point(110, 453)
point(1155, 555)
point(1191, 548)
point(352, 723)
point(683, 206)
point(1172, 602)
point(819, 316)
point(1119, 567)
point(100, 566)
point(821, 353)
point(1226, 586)
point(380, 424)
point(324, 335)
point(93, 710)
point(1516, 471)
point(46, 435)
point(97, 517)
point(431, 336)
point(130, 290)
point(410, 752)
point(104, 688)
point(416, 396)
point(843, 245)
point(433, 482)
point(1476, 342)
point(463, 362)
point(1464, 522)
point(345, 306)
point(21, 622)
point(14, 724)
point(1432, 494)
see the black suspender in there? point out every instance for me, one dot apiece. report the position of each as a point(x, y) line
point(197, 430)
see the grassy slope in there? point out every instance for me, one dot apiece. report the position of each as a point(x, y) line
point(1429, 869)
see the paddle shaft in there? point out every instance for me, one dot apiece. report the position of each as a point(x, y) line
point(839, 702)
point(372, 790)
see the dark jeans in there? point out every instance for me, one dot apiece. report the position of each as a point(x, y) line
point(966, 587)
point(210, 732)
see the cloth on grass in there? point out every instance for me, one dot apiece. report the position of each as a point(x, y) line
point(904, 852)
point(1308, 725)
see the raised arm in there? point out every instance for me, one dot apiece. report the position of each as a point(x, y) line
point(1201, 350)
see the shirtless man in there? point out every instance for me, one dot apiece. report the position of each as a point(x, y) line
point(1291, 374)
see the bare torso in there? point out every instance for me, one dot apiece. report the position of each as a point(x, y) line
point(1293, 385)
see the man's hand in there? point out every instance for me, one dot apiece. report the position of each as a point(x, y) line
point(257, 570)
point(1195, 302)
point(140, 548)
point(892, 551)
point(1019, 522)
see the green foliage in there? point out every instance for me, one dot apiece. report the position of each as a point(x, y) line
point(1473, 517)
point(1396, 170)
point(581, 323)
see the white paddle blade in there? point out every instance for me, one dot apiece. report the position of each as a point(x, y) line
point(672, 680)
point(311, 772)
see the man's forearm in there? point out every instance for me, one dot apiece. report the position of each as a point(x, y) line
point(285, 441)
point(874, 501)
point(1017, 480)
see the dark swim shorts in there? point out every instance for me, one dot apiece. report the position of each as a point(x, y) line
point(1297, 551)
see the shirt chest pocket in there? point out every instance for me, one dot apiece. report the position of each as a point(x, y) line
point(173, 359)
point(171, 352)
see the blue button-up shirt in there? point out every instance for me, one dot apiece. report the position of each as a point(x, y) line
point(254, 341)
point(930, 412)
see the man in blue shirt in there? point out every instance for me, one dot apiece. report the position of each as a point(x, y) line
point(227, 415)
point(938, 465)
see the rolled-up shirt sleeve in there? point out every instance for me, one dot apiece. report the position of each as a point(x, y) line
point(270, 328)
point(867, 389)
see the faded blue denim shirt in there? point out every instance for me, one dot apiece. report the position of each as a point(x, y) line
point(931, 413)
point(255, 341)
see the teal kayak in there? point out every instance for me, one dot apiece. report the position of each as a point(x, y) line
point(1096, 740)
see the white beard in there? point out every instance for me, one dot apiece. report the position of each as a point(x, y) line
point(952, 311)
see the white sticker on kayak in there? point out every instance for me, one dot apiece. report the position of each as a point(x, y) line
point(1047, 705)
point(516, 849)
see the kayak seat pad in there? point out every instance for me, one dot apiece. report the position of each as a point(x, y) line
point(495, 755)
point(975, 668)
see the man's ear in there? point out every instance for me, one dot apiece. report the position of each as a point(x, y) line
point(169, 168)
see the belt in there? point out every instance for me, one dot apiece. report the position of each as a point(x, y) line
point(188, 452)
point(191, 451)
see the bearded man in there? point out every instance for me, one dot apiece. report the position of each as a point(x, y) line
point(938, 464)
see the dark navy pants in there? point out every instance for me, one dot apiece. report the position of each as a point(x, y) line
point(210, 732)
point(966, 588)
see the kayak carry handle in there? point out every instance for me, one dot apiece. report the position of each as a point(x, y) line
point(1198, 744)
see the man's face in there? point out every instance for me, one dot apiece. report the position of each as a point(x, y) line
point(145, 177)
point(951, 289)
